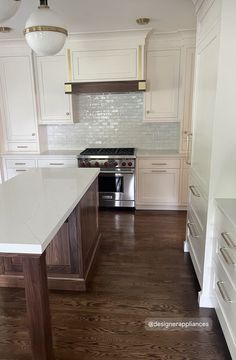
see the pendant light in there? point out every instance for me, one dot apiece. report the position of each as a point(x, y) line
point(44, 32)
point(8, 8)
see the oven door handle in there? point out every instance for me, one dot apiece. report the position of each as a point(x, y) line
point(120, 173)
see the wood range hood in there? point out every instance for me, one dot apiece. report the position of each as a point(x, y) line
point(105, 86)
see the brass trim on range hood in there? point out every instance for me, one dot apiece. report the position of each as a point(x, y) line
point(105, 86)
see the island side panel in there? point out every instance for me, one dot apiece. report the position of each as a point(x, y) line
point(71, 253)
point(37, 301)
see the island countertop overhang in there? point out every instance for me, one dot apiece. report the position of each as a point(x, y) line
point(34, 205)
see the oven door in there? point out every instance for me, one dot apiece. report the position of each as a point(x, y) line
point(116, 188)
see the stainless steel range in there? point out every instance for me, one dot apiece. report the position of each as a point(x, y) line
point(117, 176)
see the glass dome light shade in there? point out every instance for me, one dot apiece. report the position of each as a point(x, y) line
point(8, 8)
point(44, 32)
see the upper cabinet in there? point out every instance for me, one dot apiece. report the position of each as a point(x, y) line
point(169, 75)
point(163, 76)
point(17, 102)
point(115, 57)
point(55, 107)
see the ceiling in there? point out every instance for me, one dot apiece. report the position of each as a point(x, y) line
point(109, 15)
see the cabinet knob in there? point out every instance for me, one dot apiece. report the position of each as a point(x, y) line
point(33, 134)
point(67, 113)
point(148, 111)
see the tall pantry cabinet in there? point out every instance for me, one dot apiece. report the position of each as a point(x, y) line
point(213, 162)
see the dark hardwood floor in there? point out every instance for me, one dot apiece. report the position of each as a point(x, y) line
point(141, 272)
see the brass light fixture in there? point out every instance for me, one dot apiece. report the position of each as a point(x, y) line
point(44, 31)
point(143, 21)
point(5, 29)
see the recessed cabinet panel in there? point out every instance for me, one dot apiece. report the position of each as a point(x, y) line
point(55, 105)
point(205, 94)
point(17, 87)
point(163, 77)
point(158, 186)
point(104, 65)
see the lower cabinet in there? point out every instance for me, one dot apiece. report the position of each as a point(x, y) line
point(69, 258)
point(16, 165)
point(160, 184)
point(224, 280)
point(196, 226)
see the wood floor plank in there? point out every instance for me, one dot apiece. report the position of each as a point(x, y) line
point(141, 272)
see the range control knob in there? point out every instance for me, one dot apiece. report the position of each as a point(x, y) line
point(130, 163)
point(82, 164)
point(123, 163)
point(88, 164)
point(115, 164)
point(96, 164)
point(106, 163)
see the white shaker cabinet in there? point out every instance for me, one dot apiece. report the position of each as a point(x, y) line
point(163, 82)
point(55, 106)
point(158, 183)
point(18, 109)
point(205, 95)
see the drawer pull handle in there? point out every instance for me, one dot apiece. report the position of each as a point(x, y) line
point(20, 163)
point(227, 257)
point(223, 292)
point(159, 171)
point(159, 164)
point(22, 147)
point(192, 230)
point(194, 191)
point(228, 240)
point(20, 170)
point(189, 139)
point(55, 164)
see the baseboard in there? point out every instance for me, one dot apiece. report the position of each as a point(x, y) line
point(186, 246)
point(205, 301)
point(161, 207)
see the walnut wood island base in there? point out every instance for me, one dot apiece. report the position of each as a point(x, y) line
point(63, 257)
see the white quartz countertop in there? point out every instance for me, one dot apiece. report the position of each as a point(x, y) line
point(52, 154)
point(35, 204)
point(147, 153)
point(228, 207)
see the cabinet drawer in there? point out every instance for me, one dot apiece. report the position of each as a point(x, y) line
point(20, 163)
point(225, 300)
point(57, 163)
point(225, 233)
point(23, 147)
point(196, 240)
point(13, 172)
point(197, 203)
point(227, 257)
point(159, 163)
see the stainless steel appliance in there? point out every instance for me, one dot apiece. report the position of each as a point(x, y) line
point(117, 176)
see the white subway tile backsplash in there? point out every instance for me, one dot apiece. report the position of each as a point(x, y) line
point(112, 120)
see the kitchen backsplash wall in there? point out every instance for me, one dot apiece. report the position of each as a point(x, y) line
point(112, 120)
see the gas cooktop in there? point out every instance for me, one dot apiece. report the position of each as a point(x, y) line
point(108, 152)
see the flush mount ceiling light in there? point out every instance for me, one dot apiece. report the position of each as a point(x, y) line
point(8, 8)
point(44, 32)
point(142, 21)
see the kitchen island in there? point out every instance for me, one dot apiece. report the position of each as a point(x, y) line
point(48, 228)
